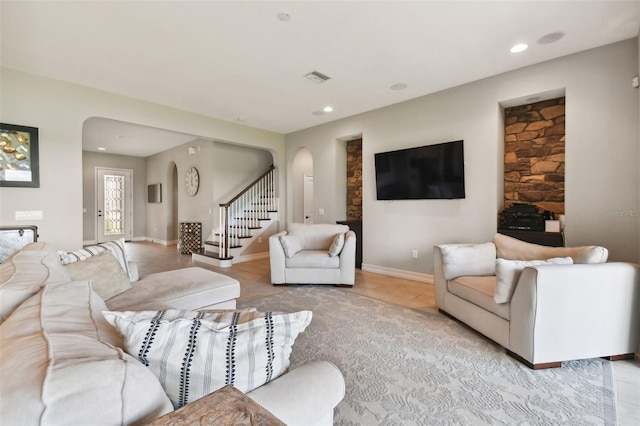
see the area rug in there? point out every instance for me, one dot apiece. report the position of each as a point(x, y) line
point(404, 367)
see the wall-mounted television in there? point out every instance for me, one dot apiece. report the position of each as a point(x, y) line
point(426, 172)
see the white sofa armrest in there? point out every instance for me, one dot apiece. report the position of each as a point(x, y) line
point(438, 277)
point(348, 259)
point(134, 275)
point(304, 396)
point(565, 312)
point(277, 258)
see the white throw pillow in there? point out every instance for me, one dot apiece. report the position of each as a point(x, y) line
point(336, 245)
point(116, 248)
point(195, 353)
point(291, 245)
point(460, 260)
point(508, 272)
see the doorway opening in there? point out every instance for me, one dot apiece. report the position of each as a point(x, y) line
point(114, 204)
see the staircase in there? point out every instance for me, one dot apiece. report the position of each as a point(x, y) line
point(242, 220)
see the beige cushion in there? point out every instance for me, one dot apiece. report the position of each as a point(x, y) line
point(336, 245)
point(479, 291)
point(313, 259)
point(60, 364)
point(468, 259)
point(116, 248)
point(514, 249)
point(316, 236)
point(194, 353)
point(290, 244)
point(24, 273)
point(107, 277)
point(508, 272)
point(187, 288)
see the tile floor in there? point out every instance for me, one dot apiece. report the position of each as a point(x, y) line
point(254, 278)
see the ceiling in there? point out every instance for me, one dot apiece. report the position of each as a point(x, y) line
point(240, 61)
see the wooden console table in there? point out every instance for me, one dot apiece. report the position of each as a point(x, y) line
point(551, 239)
point(226, 406)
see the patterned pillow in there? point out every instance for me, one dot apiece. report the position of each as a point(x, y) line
point(107, 278)
point(194, 353)
point(116, 248)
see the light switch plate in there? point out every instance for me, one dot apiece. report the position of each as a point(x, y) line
point(29, 215)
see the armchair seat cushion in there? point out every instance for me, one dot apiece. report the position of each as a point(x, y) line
point(480, 292)
point(313, 259)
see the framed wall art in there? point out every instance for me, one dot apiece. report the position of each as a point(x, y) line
point(19, 161)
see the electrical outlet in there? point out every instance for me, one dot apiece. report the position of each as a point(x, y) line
point(321, 211)
point(414, 254)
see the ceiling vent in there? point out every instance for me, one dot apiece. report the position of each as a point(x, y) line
point(317, 77)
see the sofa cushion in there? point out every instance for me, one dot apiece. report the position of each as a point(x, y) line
point(186, 288)
point(61, 364)
point(336, 245)
point(313, 259)
point(479, 291)
point(290, 244)
point(107, 277)
point(25, 272)
point(514, 249)
point(116, 248)
point(468, 259)
point(508, 272)
point(195, 353)
point(316, 236)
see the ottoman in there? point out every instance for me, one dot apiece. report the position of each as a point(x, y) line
point(188, 288)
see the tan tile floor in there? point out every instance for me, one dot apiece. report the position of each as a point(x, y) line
point(255, 282)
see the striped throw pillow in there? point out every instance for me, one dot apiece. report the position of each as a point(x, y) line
point(194, 353)
point(116, 248)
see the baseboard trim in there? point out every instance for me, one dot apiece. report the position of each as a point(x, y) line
point(398, 273)
point(89, 243)
point(158, 241)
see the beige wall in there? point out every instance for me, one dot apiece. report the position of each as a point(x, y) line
point(601, 170)
point(224, 170)
point(59, 110)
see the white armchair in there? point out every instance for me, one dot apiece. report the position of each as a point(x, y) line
point(531, 301)
point(313, 254)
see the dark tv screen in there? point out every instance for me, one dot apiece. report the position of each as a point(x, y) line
point(426, 172)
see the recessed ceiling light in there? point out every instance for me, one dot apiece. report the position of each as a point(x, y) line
point(241, 119)
point(327, 109)
point(102, 148)
point(120, 136)
point(398, 86)
point(283, 16)
point(318, 112)
point(551, 37)
point(533, 99)
point(520, 47)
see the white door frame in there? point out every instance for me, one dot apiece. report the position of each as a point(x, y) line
point(99, 203)
point(307, 198)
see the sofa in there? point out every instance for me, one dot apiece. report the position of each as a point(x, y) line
point(63, 362)
point(544, 305)
point(313, 254)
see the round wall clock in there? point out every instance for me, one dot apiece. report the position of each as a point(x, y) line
point(192, 181)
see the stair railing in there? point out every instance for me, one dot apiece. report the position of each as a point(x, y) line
point(244, 211)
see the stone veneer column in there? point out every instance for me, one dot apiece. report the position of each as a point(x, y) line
point(534, 155)
point(354, 179)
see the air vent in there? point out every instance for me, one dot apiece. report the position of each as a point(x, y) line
point(154, 193)
point(317, 77)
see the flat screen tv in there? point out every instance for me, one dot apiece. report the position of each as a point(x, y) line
point(426, 172)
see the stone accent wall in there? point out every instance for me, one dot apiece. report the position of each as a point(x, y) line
point(534, 156)
point(354, 179)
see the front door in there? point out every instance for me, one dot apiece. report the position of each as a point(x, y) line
point(114, 204)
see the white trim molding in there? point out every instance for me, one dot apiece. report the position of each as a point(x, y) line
point(398, 273)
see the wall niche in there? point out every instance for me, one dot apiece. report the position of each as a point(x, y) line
point(354, 179)
point(534, 155)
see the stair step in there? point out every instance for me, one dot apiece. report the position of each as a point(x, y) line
point(247, 227)
point(217, 244)
point(211, 254)
point(235, 236)
point(250, 219)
